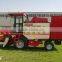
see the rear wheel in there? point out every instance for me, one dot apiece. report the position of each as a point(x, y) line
point(49, 46)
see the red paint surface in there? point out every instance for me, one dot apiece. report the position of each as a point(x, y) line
point(17, 36)
point(33, 43)
point(39, 20)
point(56, 21)
point(16, 14)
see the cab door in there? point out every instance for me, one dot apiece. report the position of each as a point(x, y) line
point(18, 24)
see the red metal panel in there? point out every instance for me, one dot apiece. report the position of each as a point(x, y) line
point(15, 14)
point(33, 43)
point(39, 20)
point(56, 26)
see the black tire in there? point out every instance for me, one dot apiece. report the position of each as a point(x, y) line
point(19, 44)
point(49, 46)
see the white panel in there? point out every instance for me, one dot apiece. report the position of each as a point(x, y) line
point(36, 30)
point(6, 21)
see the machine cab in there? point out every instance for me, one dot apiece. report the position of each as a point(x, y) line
point(19, 19)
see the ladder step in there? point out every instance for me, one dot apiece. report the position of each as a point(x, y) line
point(6, 41)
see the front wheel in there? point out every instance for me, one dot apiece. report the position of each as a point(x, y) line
point(19, 44)
point(49, 46)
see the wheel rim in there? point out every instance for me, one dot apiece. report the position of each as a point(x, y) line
point(49, 47)
point(20, 44)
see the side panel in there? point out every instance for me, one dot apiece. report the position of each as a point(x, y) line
point(36, 30)
point(56, 27)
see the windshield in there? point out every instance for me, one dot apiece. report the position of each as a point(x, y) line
point(6, 23)
point(12, 23)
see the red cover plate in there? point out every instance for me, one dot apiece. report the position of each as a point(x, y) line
point(56, 23)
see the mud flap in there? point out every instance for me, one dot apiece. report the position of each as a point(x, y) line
point(6, 41)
